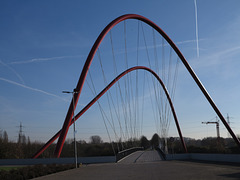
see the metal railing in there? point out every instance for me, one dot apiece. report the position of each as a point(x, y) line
point(126, 152)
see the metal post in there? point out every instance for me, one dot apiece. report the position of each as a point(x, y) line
point(74, 126)
point(74, 134)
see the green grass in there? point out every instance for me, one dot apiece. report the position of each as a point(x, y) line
point(8, 168)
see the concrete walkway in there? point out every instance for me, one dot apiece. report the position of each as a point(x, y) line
point(141, 167)
point(141, 156)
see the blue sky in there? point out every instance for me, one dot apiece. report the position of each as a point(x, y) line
point(44, 44)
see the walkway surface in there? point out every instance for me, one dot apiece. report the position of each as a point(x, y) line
point(141, 156)
point(148, 165)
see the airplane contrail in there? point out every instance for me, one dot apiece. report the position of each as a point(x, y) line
point(195, 5)
point(121, 51)
point(43, 59)
point(30, 88)
point(15, 72)
point(63, 57)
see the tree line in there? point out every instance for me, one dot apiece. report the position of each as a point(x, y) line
point(24, 148)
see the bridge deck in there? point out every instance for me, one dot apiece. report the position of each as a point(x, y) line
point(141, 156)
point(146, 165)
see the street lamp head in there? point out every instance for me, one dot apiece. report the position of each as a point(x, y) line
point(66, 92)
point(75, 91)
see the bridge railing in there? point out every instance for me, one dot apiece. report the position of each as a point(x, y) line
point(126, 152)
point(161, 153)
point(44, 161)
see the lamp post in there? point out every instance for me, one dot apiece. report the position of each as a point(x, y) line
point(74, 126)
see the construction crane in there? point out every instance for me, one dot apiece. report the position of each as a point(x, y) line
point(217, 126)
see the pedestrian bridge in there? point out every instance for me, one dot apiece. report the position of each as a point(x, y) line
point(141, 156)
point(149, 165)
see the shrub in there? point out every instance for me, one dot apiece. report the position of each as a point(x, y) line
point(30, 172)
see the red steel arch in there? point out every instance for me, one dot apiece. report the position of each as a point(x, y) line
point(87, 64)
point(104, 91)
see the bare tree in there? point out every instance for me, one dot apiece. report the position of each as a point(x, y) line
point(144, 142)
point(96, 139)
point(5, 136)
